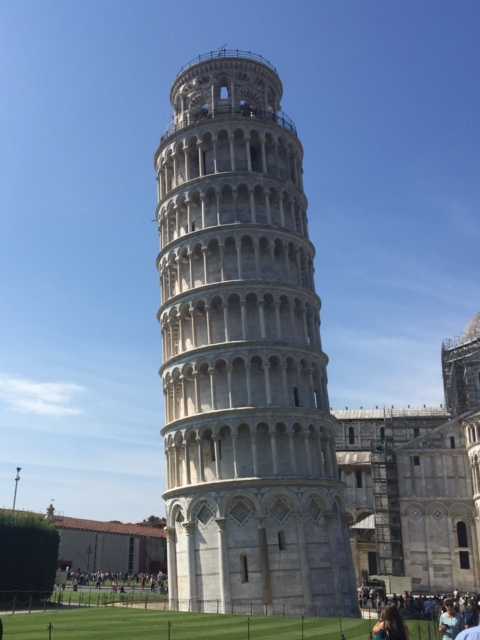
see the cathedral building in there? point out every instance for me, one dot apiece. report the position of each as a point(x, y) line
point(255, 509)
point(412, 480)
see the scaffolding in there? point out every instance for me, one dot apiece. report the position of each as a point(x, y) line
point(388, 531)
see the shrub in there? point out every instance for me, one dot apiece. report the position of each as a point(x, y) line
point(28, 553)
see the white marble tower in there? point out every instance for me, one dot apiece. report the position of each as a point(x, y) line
point(254, 507)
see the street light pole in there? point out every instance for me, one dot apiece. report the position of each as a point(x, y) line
point(17, 478)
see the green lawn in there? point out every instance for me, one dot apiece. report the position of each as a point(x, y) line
point(138, 624)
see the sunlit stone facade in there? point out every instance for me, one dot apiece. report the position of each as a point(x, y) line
point(254, 506)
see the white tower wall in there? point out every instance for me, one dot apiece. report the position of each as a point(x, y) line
point(254, 506)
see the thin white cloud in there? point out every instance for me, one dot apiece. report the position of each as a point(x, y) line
point(40, 398)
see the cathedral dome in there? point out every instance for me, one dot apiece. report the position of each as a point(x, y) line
point(473, 329)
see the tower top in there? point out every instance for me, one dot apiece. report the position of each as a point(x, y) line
point(223, 53)
point(255, 74)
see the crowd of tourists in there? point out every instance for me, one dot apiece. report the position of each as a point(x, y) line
point(457, 614)
point(117, 581)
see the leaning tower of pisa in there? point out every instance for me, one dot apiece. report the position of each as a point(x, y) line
point(254, 505)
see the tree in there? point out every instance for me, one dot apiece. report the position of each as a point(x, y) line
point(28, 553)
point(154, 521)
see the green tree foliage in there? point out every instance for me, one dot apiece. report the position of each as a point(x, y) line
point(28, 553)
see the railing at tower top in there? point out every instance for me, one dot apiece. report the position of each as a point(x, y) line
point(226, 53)
point(203, 116)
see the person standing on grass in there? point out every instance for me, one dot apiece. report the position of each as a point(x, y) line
point(390, 626)
point(450, 621)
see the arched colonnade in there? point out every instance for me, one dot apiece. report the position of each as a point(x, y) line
point(226, 257)
point(239, 316)
point(229, 204)
point(229, 149)
point(214, 383)
point(256, 449)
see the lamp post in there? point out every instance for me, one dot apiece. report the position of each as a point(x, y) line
point(17, 478)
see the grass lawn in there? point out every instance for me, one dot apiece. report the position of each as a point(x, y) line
point(138, 624)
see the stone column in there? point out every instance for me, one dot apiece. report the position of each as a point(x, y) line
point(211, 373)
point(231, 141)
point(172, 568)
point(180, 334)
point(249, 383)
point(264, 154)
point(218, 466)
point(261, 313)
point(185, 153)
point(287, 261)
point(174, 400)
point(229, 384)
point(184, 396)
point(248, 152)
point(179, 273)
point(273, 446)
point(191, 565)
point(170, 335)
point(184, 464)
point(207, 320)
point(293, 459)
point(190, 269)
point(285, 383)
point(173, 467)
point(238, 248)
point(188, 205)
point(253, 211)
point(264, 563)
point(225, 321)
point(331, 522)
point(187, 462)
point(201, 168)
point(268, 389)
point(253, 440)
point(304, 563)
point(234, 453)
point(223, 568)
point(196, 391)
point(298, 265)
point(214, 144)
point(235, 204)
point(221, 256)
point(201, 472)
point(204, 254)
point(194, 329)
point(217, 202)
point(175, 176)
point(305, 324)
point(312, 390)
point(169, 472)
point(268, 206)
point(278, 323)
point(243, 312)
point(282, 211)
point(256, 253)
point(203, 198)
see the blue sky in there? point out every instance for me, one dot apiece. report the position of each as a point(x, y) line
point(386, 100)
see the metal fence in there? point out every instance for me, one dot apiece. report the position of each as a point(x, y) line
point(33, 602)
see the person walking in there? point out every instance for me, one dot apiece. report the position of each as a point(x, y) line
point(390, 626)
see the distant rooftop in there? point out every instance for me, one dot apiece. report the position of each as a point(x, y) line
point(227, 53)
point(390, 412)
point(79, 524)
